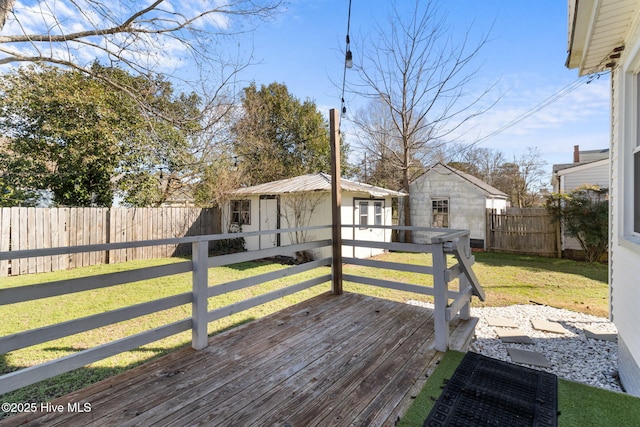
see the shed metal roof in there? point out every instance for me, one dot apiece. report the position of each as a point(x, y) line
point(320, 182)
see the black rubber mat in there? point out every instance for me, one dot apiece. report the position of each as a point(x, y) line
point(489, 392)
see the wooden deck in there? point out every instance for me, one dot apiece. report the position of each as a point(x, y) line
point(331, 360)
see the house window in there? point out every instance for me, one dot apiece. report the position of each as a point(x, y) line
point(440, 213)
point(241, 212)
point(363, 214)
point(377, 213)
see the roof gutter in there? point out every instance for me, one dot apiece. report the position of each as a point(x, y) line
point(572, 34)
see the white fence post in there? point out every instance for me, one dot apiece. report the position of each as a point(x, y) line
point(200, 279)
point(440, 300)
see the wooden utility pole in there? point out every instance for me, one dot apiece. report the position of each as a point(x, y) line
point(336, 203)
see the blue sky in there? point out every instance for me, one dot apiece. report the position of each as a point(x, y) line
point(302, 48)
point(526, 56)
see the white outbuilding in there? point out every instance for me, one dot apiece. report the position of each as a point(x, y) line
point(448, 198)
point(305, 201)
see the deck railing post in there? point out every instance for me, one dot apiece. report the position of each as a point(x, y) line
point(440, 300)
point(464, 243)
point(200, 281)
point(336, 203)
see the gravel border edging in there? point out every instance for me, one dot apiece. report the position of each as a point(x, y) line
point(573, 356)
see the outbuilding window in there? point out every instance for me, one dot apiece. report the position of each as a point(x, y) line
point(364, 214)
point(440, 213)
point(241, 212)
point(377, 211)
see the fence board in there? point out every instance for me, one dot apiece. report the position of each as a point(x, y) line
point(39, 228)
point(525, 231)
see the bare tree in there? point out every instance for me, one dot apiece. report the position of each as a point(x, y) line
point(522, 178)
point(422, 78)
point(5, 8)
point(297, 213)
point(147, 38)
point(481, 162)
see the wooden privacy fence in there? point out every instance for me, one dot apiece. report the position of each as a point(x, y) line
point(40, 228)
point(531, 231)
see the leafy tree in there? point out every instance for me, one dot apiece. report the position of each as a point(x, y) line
point(584, 214)
point(278, 136)
point(82, 140)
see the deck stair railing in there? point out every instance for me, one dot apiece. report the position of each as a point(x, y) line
point(448, 303)
point(439, 243)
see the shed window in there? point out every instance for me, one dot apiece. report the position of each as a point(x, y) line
point(377, 211)
point(440, 213)
point(241, 212)
point(363, 214)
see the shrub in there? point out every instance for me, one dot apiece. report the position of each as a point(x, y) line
point(584, 214)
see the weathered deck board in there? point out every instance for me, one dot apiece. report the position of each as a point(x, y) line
point(331, 360)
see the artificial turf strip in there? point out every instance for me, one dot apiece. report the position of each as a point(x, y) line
point(421, 406)
point(579, 405)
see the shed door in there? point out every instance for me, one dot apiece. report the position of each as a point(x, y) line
point(269, 220)
point(367, 213)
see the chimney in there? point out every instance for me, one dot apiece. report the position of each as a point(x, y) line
point(576, 154)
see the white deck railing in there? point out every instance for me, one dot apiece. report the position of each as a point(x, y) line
point(448, 303)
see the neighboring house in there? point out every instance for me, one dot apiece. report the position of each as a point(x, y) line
point(589, 167)
point(446, 197)
point(306, 201)
point(603, 35)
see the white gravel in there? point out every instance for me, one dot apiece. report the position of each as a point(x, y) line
point(573, 356)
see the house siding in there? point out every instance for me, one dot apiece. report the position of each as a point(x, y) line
point(467, 203)
point(625, 248)
point(596, 175)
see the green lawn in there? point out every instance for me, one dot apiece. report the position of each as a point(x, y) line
point(512, 279)
point(507, 280)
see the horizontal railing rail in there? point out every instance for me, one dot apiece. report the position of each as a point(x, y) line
point(198, 298)
point(33, 253)
point(440, 244)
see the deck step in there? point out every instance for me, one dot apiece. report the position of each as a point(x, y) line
point(461, 337)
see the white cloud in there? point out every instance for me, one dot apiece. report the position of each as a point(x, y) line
point(163, 52)
point(588, 104)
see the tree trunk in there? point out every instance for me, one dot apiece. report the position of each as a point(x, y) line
point(408, 237)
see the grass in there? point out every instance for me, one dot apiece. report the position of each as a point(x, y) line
point(511, 279)
point(579, 405)
point(507, 280)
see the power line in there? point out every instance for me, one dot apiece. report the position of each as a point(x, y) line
point(546, 102)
